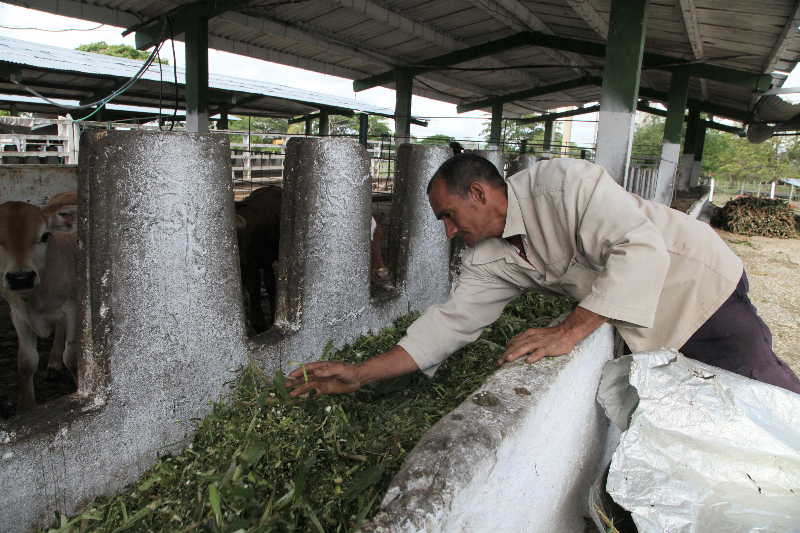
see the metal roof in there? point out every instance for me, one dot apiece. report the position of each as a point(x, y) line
point(360, 38)
point(74, 75)
point(113, 111)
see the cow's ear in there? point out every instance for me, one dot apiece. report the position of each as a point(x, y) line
point(46, 236)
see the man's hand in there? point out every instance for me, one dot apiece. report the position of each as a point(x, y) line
point(334, 377)
point(536, 343)
point(325, 377)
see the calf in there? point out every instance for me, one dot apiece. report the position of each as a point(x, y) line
point(62, 212)
point(38, 271)
point(258, 229)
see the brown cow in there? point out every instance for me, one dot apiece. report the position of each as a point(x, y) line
point(258, 230)
point(39, 273)
point(62, 212)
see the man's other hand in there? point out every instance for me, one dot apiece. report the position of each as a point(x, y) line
point(325, 377)
point(537, 343)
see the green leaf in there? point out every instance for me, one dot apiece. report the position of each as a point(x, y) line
point(254, 452)
point(216, 505)
point(280, 386)
point(364, 480)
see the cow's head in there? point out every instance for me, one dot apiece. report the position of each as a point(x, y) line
point(23, 245)
point(62, 211)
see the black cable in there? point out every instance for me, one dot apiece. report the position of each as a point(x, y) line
point(174, 73)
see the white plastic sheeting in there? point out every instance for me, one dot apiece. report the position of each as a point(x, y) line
point(705, 449)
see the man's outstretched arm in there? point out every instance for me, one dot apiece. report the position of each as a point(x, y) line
point(536, 343)
point(335, 377)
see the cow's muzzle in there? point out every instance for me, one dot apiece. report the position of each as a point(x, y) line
point(21, 280)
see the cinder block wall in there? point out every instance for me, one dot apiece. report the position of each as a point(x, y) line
point(518, 456)
point(36, 184)
point(162, 319)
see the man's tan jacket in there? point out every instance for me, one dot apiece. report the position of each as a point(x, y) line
point(656, 273)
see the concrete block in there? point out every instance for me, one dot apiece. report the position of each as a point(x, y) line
point(162, 329)
point(518, 456)
point(36, 184)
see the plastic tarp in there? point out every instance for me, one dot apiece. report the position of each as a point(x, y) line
point(703, 449)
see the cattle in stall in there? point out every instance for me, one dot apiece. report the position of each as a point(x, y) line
point(62, 212)
point(39, 277)
point(258, 231)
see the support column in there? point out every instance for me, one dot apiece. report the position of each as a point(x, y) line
point(626, 33)
point(689, 149)
point(197, 76)
point(324, 125)
point(671, 146)
point(222, 123)
point(308, 127)
point(363, 128)
point(496, 131)
point(548, 137)
point(697, 166)
point(404, 83)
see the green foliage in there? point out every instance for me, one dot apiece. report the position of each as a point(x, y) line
point(4, 113)
point(117, 50)
point(514, 132)
point(437, 140)
point(341, 125)
point(648, 137)
point(266, 462)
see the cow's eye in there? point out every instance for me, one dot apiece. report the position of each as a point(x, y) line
point(46, 235)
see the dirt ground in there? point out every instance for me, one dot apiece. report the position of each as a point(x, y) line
point(773, 268)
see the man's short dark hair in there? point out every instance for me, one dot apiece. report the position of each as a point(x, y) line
point(461, 170)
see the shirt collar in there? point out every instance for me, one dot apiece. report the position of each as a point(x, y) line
point(514, 223)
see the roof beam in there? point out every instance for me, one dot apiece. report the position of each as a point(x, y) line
point(562, 114)
point(590, 16)
point(530, 93)
point(787, 36)
point(707, 107)
point(421, 30)
point(706, 123)
point(315, 36)
point(689, 15)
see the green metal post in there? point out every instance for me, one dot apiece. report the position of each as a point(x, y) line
point(548, 136)
point(626, 33)
point(308, 127)
point(404, 83)
point(496, 131)
point(700, 144)
point(671, 146)
point(222, 123)
point(197, 75)
point(363, 128)
point(324, 127)
point(686, 168)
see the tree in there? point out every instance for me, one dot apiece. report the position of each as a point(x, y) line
point(438, 139)
point(342, 125)
point(513, 133)
point(648, 137)
point(117, 50)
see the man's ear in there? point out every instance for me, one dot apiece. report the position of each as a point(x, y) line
point(477, 191)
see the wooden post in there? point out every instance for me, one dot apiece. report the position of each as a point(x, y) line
point(711, 191)
point(247, 174)
point(772, 191)
point(626, 35)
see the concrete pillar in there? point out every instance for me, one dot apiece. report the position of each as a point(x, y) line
point(324, 124)
point(404, 83)
point(421, 248)
point(363, 129)
point(697, 165)
point(523, 146)
point(626, 34)
point(197, 75)
point(671, 146)
point(162, 246)
point(323, 276)
point(497, 157)
point(687, 160)
point(496, 129)
point(519, 163)
point(548, 137)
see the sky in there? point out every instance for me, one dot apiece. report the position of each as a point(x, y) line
point(466, 126)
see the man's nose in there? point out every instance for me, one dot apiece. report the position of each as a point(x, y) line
point(450, 229)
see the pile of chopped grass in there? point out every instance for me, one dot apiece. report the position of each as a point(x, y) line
point(263, 461)
point(757, 216)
